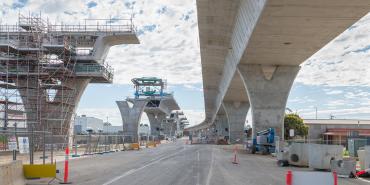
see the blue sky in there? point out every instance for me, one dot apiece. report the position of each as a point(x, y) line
point(336, 79)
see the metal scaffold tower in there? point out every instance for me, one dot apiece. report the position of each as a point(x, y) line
point(45, 67)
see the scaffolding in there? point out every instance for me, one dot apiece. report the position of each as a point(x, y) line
point(40, 65)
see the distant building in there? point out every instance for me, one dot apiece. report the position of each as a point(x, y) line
point(110, 129)
point(337, 131)
point(83, 122)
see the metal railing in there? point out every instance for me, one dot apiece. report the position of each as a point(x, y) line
point(97, 69)
point(91, 28)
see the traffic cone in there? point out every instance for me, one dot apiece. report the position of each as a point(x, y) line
point(235, 159)
point(66, 165)
point(288, 178)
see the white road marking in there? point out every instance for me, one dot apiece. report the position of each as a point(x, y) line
point(210, 168)
point(198, 156)
point(363, 180)
point(138, 169)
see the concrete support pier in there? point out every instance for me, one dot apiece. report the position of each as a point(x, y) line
point(222, 126)
point(268, 88)
point(51, 114)
point(131, 118)
point(236, 115)
point(155, 120)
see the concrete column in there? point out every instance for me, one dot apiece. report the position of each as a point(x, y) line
point(169, 128)
point(166, 128)
point(236, 115)
point(63, 107)
point(52, 114)
point(131, 118)
point(65, 102)
point(268, 88)
point(155, 120)
point(222, 126)
point(33, 101)
point(173, 128)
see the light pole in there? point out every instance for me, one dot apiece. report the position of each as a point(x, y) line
point(316, 112)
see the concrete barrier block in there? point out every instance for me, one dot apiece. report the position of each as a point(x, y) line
point(367, 157)
point(321, 155)
point(298, 154)
point(12, 173)
point(361, 158)
point(345, 167)
point(127, 146)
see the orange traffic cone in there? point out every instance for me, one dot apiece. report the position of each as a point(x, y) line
point(235, 159)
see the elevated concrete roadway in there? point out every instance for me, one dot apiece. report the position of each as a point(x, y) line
point(264, 41)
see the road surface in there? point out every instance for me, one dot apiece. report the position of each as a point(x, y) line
point(180, 164)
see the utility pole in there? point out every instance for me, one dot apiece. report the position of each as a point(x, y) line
point(316, 112)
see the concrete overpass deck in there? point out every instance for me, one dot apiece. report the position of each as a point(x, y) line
point(251, 51)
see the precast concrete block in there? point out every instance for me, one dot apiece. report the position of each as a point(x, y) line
point(345, 167)
point(361, 158)
point(298, 154)
point(12, 173)
point(321, 155)
point(366, 157)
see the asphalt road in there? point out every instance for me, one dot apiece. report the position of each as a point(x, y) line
point(180, 164)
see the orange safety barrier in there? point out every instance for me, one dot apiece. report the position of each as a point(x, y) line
point(151, 144)
point(135, 146)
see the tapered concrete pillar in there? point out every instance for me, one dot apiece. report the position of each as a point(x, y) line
point(236, 115)
point(131, 118)
point(268, 88)
point(51, 112)
point(222, 126)
point(33, 100)
point(166, 128)
point(66, 100)
point(155, 120)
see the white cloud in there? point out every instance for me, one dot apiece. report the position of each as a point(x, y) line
point(336, 103)
point(168, 33)
point(194, 116)
point(334, 92)
point(304, 99)
point(338, 113)
point(193, 87)
point(343, 62)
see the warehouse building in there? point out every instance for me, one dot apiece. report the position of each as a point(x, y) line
point(337, 131)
